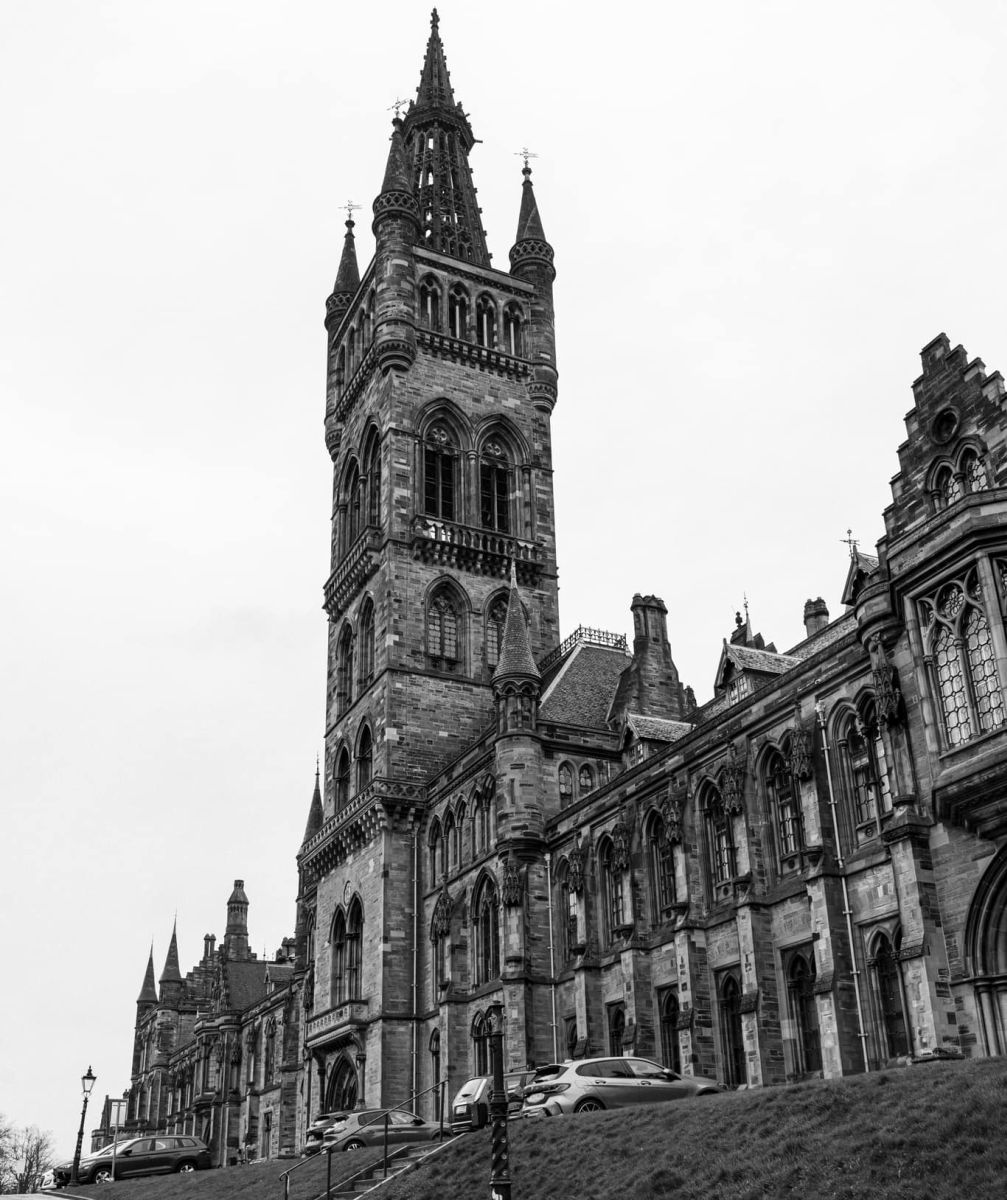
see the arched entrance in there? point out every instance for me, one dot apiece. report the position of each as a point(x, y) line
point(732, 1034)
point(341, 1094)
point(986, 953)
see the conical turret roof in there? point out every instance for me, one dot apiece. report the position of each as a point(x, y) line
point(148, 993)
point(515, 653)
point(529, 223)
point(171, 972)
point(315, 811)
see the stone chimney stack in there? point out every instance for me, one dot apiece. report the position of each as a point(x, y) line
point(816, 615)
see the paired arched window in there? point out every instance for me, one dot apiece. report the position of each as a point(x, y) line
point(366, 655)
point(565, 775)
point(512, 330)
point(953, 481)
point(784, 802)
point(496, 623)
point(346, 951)
point(720, 836)
point(344, 670)
point(494, 487)
point(486, 922)
point(960, 660)
point(486, 322)
point(365, 758)
point(864, 771)
point(342, 779)
point(886, 980)
point(430, 303)
point(458, 312)
point(440, 472)
point(662, 868)
point(444, 630)
point(803, 1011)
point(611, 879)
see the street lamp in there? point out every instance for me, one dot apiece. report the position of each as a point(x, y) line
point(87, 1083)
point(500, 1170)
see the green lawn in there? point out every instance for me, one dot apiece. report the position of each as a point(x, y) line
point(929, 1132)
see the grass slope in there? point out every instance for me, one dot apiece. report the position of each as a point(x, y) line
point(930, 1132)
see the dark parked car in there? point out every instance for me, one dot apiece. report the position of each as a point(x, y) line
point(595, 1083)
point(470, 1107)
point(317, 1128)
point(357, 1130)
point(138, 1156)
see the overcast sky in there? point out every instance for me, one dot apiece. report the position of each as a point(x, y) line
point(761, 212)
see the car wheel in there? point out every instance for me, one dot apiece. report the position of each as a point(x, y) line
point(185, 1166)
point(354, 1144)
point(589, 1106)
point(103, 1175)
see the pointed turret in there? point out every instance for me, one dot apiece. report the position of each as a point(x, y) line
point(171, 985)
point(438, 139)
point(315, 811)
point(531, 259)
point(235, 947)
point(148, 993)
point(347, 281)
point(516, 661)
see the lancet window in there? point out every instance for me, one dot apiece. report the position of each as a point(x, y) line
point(444, 630)
point(458, 312)
point(494, 487)
point(430, 303)
point(486, 322)
point(512, 330)
point(440, 472)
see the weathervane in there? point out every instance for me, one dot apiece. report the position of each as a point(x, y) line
point(525, 153)
point(744, 598)
point(397, 105)
point(351, 208)
point(852, 543)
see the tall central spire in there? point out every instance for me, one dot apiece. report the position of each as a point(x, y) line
point(438, 138)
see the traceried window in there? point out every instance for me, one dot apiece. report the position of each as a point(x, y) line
point(585, 780)
point(865, 775)
point(354, 950)
point(365, 758)
point(458, 312)
point(887, 984)
point(565, 784)
point(804, 1011)
point(430, 303)
point(440, 467)
point(443, 632)
point(342, 779)
point(662, 868)
point(486, 910)
point(494, 488)
point(486, 322)
point(785, 805)
point(612, 896)
point(568, 914)
point(496, 622)
point(973, 471)
point(512, 330)
point(366, 644)
point(344, 670)
point(960, 660)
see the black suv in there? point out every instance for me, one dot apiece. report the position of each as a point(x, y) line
point(138, 1156)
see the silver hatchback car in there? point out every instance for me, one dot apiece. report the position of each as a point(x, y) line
point(591, 1084)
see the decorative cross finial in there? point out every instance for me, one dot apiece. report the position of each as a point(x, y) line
point(851, 542)
point(744, 597)
point(351, 208)
point(434, 19)
point(397, 104)
point(525, 153)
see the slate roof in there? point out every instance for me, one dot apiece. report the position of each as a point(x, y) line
point(746, 659)
point(582, 690)
point(657, 729)
point(279, 973)
point(246, 984)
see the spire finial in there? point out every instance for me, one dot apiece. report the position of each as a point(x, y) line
point(744, 599)
point(351, 208)
point(434, 20)
point(851, 544)
point(526, 154)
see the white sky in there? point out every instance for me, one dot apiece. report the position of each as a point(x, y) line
point(761, 212)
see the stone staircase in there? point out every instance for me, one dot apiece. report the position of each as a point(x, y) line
point(400, 1160)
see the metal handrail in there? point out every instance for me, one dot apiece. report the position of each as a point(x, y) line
point(413, 1097)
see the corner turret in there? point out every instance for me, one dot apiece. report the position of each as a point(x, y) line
point(531, 259)
point(235, 947)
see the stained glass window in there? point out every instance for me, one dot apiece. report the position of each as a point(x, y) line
point(982, 668)
point(951, 683)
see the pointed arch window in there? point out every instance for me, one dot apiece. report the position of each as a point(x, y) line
point(372, 467)
point(585, 780)
point(342, 779)
point(430, 303)
point(565, 775)
point(352, 509)
point(494, 487)
point(486, 322)
point(344, 671)
point(366, 644)
point(486, 908)
point(804, 1011)
point(337, 989)
point(865, 774)
point(444, 631)
point(732, 1036)
point(458, 312)
point(973, 471)
point(960, 660)
point(612, 895)
point(365, 758)
point(887, 984)
point(616, 1029)
point(569, 915)
point(496, 622)
point(512, 330)
point(461, 835)
point(354, 950)
point(669, 1010)
point(720, 837)
point(440, 473)
point(436, 852)
point(451, 841)
point(662, 869)
point(785, 805)
point(480, 1045)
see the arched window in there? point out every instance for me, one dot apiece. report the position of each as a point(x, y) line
point(367, 322)
point(669, 1031)
point(585, 780)
point(372, 470)
point(366, 643)
point(960, 660)
point(486, 910)
point(354, 950)
point(444, 644)
point(496, 622)
point(612, 898)
point(947, 487)
point(720, 837)
point(365, 758)
point(486, 322)
point(565, 784)
point(351, 349)
point(461, 833)
point(344, 670)
point(430, 303)
point(440, 472)
point(662, 869)
point(865, 777)
point(352, 497)
point(616, 1029)
point(570, 1036)
point(342, 779)
point(337, 988)
point(458, 312)
point(732, 1037)
point(569, 916)
point(887, 981)
point(436, 851)
point(512, 330)
point(480, 1045)
point(494, 487)
point(484, 819)
point(785, 806)
point(451, 841)
point(973, 472)
point(341, 1094)
point(804, 1011)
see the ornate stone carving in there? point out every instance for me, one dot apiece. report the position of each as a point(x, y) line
point(672, 811)
point(886, 683)
point(511, 885)
point(732, 782)
point(799, 761)
point(577, 861)
point(620, 844)
point(441, 924)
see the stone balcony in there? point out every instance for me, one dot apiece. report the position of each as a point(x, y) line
point(481, 551)
point(341, 1018)
point(358, 565)
point(357, 821)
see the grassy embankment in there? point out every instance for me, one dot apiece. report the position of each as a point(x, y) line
point(933, 1132)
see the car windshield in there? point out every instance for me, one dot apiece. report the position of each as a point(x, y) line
point(119, 1147)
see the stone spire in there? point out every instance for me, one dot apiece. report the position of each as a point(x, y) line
point(531, 259)
point(347, 281)
point(438, 138)
point(530, 246)
point(171, 972)
point(148, 993)
point(516, 661)
point(315, 811)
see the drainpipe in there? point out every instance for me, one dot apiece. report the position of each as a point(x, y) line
point(552, 957)
point(847, 911)
point(416, 947)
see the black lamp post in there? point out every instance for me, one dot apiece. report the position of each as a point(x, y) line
point(500, 1171)
point(87, 1083)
